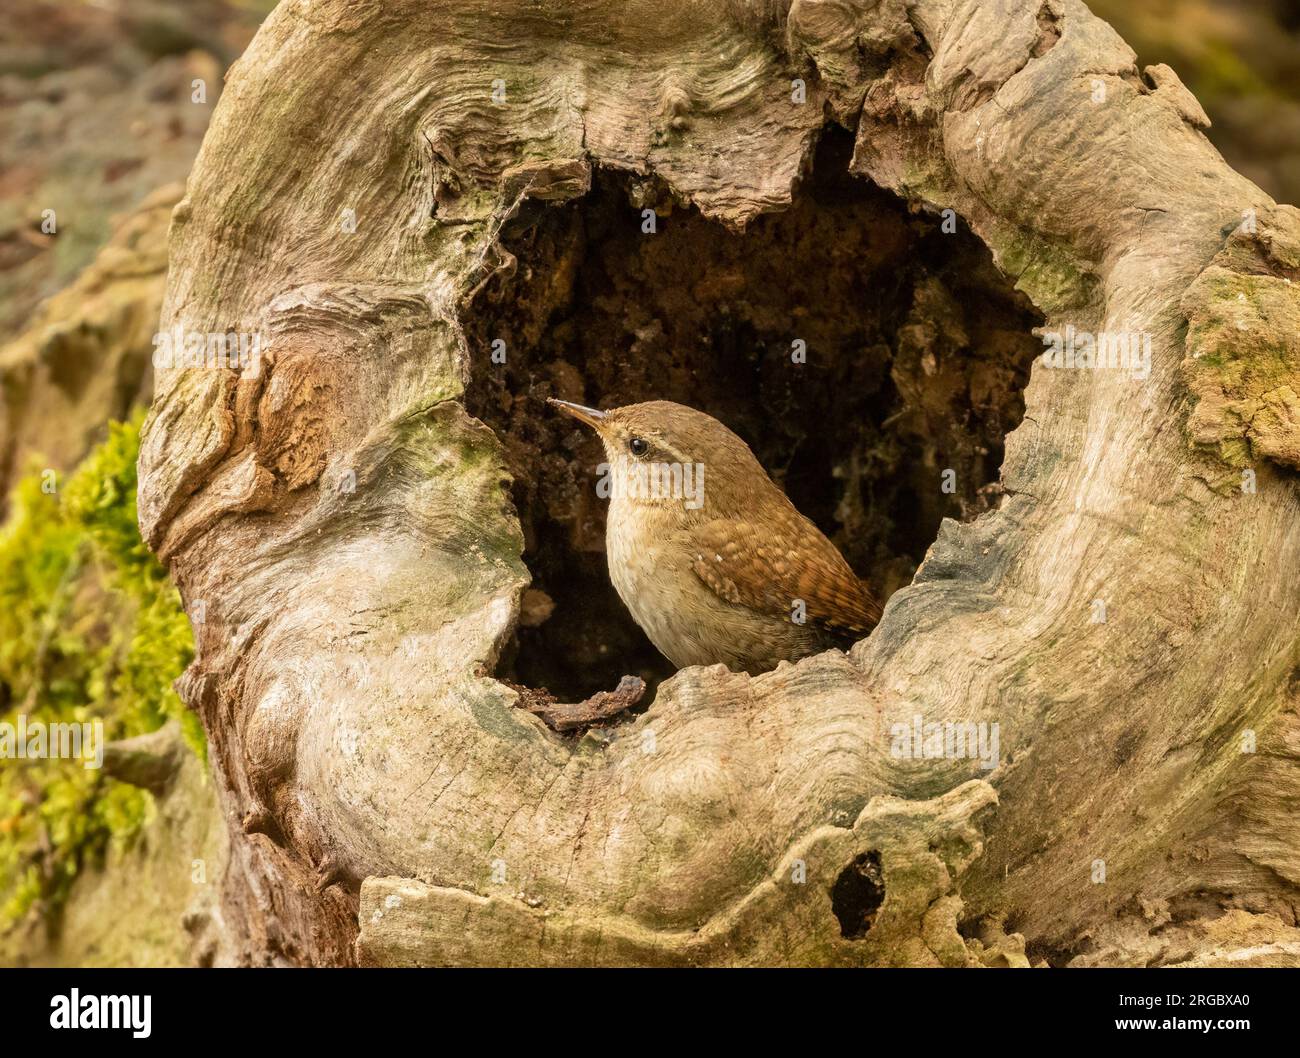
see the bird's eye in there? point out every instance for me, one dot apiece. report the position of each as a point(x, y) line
point(638, 446)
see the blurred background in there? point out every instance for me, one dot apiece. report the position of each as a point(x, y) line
point(1241, 59)
point(103, 106)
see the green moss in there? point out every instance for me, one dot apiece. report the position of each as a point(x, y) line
point(1047, 273)
point(1244, 366)
point(90, 629)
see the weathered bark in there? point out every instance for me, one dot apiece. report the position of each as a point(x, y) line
point(368, 765)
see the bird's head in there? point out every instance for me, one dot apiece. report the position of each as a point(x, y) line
point(667, 454)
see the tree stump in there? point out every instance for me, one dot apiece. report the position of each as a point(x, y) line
point(383, 184)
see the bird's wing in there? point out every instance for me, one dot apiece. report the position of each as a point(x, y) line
point(748, 566)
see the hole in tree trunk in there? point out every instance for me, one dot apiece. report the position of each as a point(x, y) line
point(857, 895)
point(917, 354)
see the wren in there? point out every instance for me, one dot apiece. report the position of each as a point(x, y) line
point(712, 559)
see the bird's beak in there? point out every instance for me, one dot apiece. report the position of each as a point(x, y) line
point(591, 416)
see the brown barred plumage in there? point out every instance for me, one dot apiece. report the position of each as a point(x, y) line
point(730, 572)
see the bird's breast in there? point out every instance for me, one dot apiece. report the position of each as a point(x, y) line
point(651, 566)
point(650, 569)
point(644, 567)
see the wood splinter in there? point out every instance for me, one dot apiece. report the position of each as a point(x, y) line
point(567, 717)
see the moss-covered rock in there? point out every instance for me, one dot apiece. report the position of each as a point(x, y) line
point(1243, 346)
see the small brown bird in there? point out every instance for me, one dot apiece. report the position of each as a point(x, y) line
point(711, 558)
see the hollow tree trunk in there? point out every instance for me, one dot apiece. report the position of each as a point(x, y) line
point(348, 527)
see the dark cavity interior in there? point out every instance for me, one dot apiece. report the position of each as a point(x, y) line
point(857, 895)
point(917, 349)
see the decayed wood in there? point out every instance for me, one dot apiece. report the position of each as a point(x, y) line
point(347, 525)
point(578, 716)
